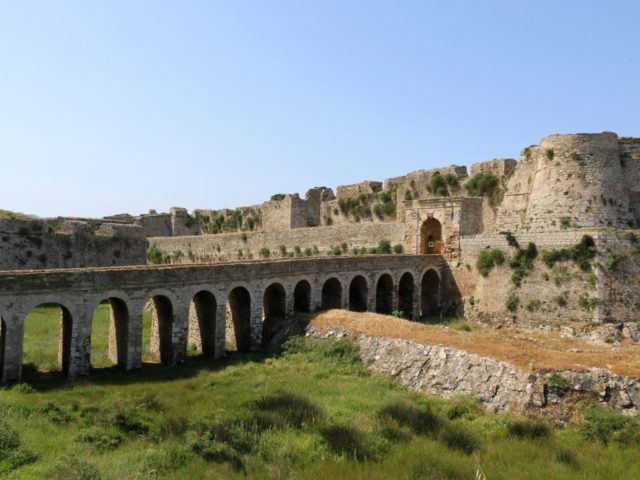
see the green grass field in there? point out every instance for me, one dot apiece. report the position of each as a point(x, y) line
point(313, 411)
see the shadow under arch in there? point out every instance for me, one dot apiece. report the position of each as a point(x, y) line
point(202, 323)
point(239, 319)
point(3, 345)
point(406, 289)
point(384, 295)
point(302, 297)
point(331, 294)
point(430, 293)
point(274, 311)
point(358, 294)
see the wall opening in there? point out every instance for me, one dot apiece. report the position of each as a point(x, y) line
point(239, 319)
point(331, 294)
point(302, 297)
point(161, 342)
point(358, 291)
point(274, 305)
point(202, 323)
point(431, 237)
point(384, 295)
point(110, 333)
point(42, 351)
point(3, 343)
point(405, 295)
point(430, 293)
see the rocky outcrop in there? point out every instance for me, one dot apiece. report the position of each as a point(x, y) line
point(444, 371)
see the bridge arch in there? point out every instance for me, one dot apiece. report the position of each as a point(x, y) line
point(162, 320)
point(35, 321)
point(384, 294)
point(331, 294)
point(431, 236)
point(203, 309)
point(239, 318)
point(430, 293)
point(406, 292)
point(115, 329)
point(274, 310)
point(302, 296)
point(358, 294)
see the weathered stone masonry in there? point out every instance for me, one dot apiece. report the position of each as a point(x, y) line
point(175, 295)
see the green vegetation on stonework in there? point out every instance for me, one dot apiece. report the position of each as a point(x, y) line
point(485, 184)
point(442, 185)
point(581, 254)
point(487, 259)
point(312, 411)
point(364, 205)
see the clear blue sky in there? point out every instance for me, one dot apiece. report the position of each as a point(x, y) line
point(122, 106)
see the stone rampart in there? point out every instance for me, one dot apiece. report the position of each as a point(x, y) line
point(62, 243)
point(226, 246)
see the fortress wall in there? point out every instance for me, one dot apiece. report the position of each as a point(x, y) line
point(42, 244)
point(617, 290)
point(499, 167)
point(575, 179)
point(416, 182)
point(346, 191)
point(225, 246)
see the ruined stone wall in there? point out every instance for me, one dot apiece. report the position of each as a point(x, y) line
point(630, 160)
point(59, 243)
point(226, 246)
point(416, 182)
point(567, 180)
point(346, 191)
point(563, 295)
point(155, 225)
point(498, 167)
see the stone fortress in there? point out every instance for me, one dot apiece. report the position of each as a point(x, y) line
point(548, 241)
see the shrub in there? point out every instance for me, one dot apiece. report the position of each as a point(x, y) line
point(440, 184)
point(384, 247)
point(292, 409)
point(512, 302)
point(408, 195)
point(212, 450)
point(562, 299)
point(420, 420)
point(265, 252)
point(101, 440)
point(398, 248)
point(581, 254)
point(459, 438)
point(348, 441)
point(283, 250)
point(567, 457)
point(587, 303)
point(464, 406)
point(600, 423)
point(533, 305)
point(483, 184)
point(72, 467)
point(487, 259)
point(528, 429)
point(565, 222)
point(154, 255)
point(549, 153)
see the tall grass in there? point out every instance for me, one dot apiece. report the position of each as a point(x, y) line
point(313, 411)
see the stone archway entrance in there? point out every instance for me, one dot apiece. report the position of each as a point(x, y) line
point(431, 237)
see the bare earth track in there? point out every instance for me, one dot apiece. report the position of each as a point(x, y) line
point(527, 350)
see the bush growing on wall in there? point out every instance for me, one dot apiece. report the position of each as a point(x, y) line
point(488, 259)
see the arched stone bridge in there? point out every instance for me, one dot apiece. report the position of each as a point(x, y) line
point(205, 304)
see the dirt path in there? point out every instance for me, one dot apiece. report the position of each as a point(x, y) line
point(526, 350)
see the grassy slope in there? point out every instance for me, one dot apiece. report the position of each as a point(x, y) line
point(50, 419)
